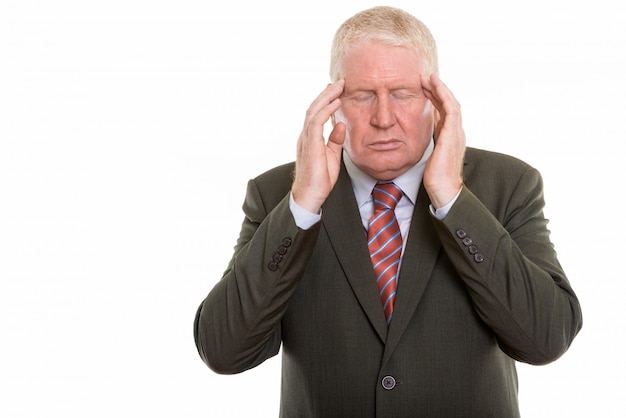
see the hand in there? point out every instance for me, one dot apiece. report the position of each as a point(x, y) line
point(443, 176)
point(318, 162)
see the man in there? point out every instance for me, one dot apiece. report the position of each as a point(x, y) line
point(437, 332)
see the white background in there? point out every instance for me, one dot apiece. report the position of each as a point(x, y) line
point(118, 119)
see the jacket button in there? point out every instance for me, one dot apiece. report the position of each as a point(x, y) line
point(479, 258)
point(388, 382)
point(461, 233)
point(286, 242)
point(273, 266)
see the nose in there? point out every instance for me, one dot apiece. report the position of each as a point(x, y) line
point(383, 116)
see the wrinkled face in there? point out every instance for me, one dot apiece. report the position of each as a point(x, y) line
point(389, 121)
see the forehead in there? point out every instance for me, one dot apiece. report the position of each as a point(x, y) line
point(373, 62)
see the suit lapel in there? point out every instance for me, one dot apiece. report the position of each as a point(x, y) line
point(343, 226)
point(349, 242)
point(418, 261)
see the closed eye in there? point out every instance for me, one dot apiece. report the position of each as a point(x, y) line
point(361, 96)
point(405, 94)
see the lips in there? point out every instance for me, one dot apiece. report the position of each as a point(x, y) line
point(386, 145)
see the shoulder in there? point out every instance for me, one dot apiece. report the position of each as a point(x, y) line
point(272, 185)
point(492, 175)
point(280, 174)
point(488, 166)
point(479, 159)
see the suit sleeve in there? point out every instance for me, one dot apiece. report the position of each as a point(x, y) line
point(237, 326)
point(511, 271)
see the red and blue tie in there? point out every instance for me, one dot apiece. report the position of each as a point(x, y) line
point(385, 243)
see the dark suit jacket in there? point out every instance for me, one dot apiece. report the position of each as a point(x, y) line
point(476, 291)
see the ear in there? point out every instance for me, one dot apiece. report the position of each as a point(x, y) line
point(436, 123)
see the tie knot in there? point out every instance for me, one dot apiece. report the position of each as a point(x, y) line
point(386, 195)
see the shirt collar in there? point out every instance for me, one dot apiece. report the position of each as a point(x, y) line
point(409, 182)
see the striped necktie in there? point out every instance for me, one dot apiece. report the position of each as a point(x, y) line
point(385, 243)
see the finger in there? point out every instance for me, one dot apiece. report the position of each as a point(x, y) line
point(327, 97)
point(430, 92)
point(337, 136)
point(321, 110)
point(439, 94)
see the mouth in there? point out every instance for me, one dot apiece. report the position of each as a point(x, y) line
point(386, 145)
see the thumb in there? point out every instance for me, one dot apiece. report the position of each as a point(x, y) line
point(337, 137)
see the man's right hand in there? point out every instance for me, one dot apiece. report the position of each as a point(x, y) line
point(318, 162)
